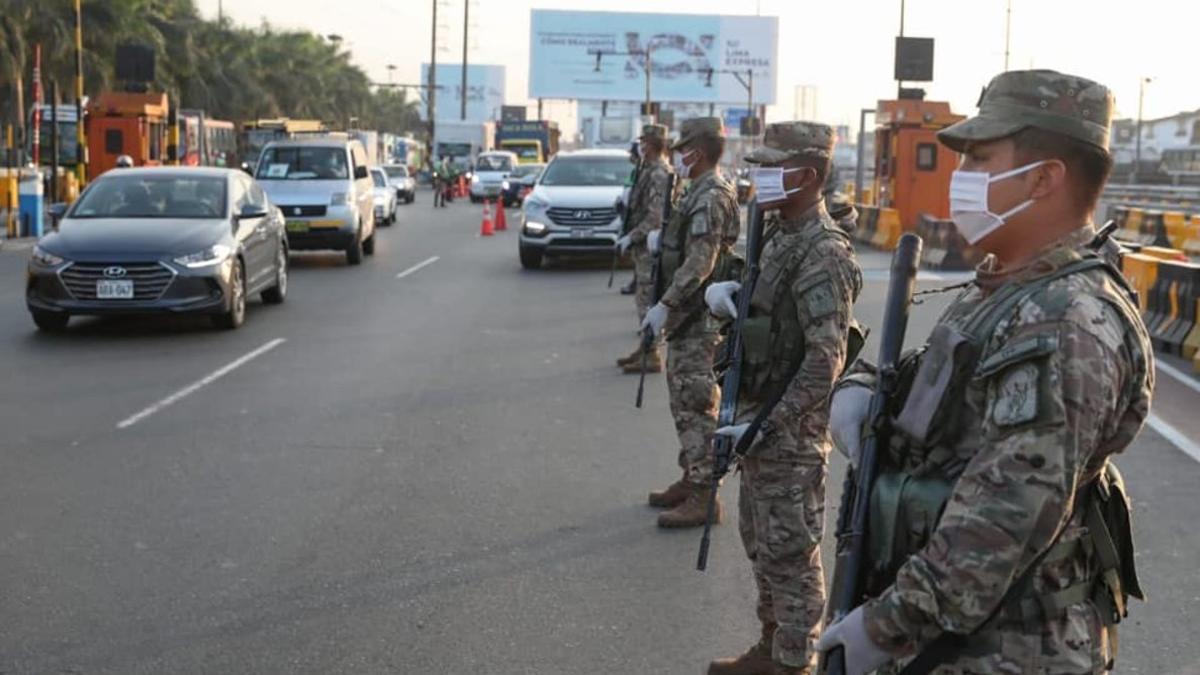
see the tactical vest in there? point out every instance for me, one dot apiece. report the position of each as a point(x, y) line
point(674, 248)
point(919, 469)
point(772, 336)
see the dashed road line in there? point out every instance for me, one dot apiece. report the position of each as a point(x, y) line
point(418, 266)
point(198, 385)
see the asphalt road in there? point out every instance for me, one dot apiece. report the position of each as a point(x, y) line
point(426, 464)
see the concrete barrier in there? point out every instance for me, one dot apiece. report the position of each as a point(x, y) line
point(868, 222)
point(1176, 223)
point(888, 231)
point(1142, 272)
point(944, 248)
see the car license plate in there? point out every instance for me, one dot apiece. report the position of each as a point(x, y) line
point(114, 289)
point(581, 233)
point(297, 226)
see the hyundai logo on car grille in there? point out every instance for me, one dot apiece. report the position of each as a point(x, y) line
point(296, 211)
point(583, 215)
point(115, 272)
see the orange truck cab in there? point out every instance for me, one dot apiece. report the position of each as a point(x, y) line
point(912, 170)
point(124, 123)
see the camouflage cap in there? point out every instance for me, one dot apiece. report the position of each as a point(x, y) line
point(699, 127)
point(786, 140)
point(1042, 99)
point(655, 131)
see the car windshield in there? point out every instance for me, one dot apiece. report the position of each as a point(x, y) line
point(587, 171)
point(303, 163)
point(494, 163)
point(396, 171)
point(148, 196)
point(526, 170)
point(380, 178)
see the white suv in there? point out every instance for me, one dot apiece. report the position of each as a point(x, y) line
point(572, 208)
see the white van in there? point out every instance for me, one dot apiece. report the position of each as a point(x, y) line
point(324, 188)
point(491, 170)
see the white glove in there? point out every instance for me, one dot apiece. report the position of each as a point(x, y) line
point(623, 244)
point(719, 298)
point(847, 414)
point(862, 654)
point(654, 241)
point(656, 317)
point(735, 433)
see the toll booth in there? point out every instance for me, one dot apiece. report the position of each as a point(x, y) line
point(126, 123)
point(912, 170)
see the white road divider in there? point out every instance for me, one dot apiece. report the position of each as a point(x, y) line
point(198, 384)
point(418, 266)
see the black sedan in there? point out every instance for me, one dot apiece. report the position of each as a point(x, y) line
point(161, 240)
point(519, 182)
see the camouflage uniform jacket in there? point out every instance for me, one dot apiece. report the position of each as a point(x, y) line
point(822, 282)
point(647, 200)
point(706, 225)
point(1063, 383)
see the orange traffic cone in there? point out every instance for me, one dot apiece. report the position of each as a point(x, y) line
point(462, 187)
point(501, 224)
point(485, 230)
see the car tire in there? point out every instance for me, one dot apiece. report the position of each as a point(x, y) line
point(236, 314)
point(50, 322)
point(354, 252)
point(368, 245)
point(410, 199)
point(276, 294)
point(531, 258)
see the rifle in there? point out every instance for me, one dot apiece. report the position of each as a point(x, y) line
point(851, 562)
point(723, 451)
point(624, 209)
point(655, 261)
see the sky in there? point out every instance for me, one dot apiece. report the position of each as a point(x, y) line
point(842, 47)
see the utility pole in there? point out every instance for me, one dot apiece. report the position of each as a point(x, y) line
point(81, 157)
point(646, 56)
point(466, 28)
point(860, 167)
point(431, 101)
point(1007, 33)
point(1137, 152)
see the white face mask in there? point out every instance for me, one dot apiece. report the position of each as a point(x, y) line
point(681, 168)
point(969, 202)
point(768, 184)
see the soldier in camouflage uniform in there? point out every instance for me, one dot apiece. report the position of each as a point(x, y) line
point(646, 202)
point(795, 348)
point(696, 248)
point(1033, 378)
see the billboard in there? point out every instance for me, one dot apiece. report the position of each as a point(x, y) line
point(682, 48)
point(485, 92)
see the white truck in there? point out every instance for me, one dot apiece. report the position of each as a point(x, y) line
point(617, 132)
point(461, 142)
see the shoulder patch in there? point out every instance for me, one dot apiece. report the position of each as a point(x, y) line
point(699, 224)
point(819, 299)
point(1017, 396)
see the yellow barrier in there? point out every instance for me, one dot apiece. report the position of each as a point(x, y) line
point(1191, 243)
point(1163, 253)
point(889, 230)
point(1142, 272)
point(1176, 224)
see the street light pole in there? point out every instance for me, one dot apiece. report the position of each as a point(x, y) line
point(431, 101)
point(1137, 152)
point(466, 28)
point(860, 168)
point(1007, 33)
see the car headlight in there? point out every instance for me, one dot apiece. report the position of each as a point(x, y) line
point(380, 200)
point(534, 227)
point(474, 178)
point(42, 257)
point(213, 255)
point(504, 186)
point(339, 198)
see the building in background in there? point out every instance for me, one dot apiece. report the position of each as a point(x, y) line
point(1170, 149)
point(485, 92)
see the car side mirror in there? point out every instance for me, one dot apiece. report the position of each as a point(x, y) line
point(250, 211)
point(360, 172)
point(57, 210)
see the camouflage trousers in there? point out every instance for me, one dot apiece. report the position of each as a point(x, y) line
point(781, 517)
point(643, 264)
point(694, 396)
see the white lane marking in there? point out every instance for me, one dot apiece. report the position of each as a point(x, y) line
point(199, 384)
point(1179, 375)
point(1175, 436)
point(418, 266)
